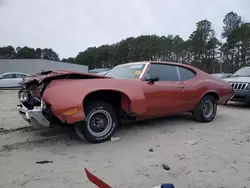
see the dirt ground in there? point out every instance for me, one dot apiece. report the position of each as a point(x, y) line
point(9, 117)
point(219, 156)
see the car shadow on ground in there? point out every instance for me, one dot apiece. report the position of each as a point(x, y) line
point(66, 135)
point(239, 105)
point(163, 121)
point(69, 130)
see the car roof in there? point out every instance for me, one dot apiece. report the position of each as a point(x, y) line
point(15, 73)
point(161, 62)
point(221, 73)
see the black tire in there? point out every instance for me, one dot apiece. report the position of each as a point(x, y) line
point(202, 113)
point(105, 115)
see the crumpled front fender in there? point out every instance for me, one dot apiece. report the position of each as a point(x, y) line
point(65, 95)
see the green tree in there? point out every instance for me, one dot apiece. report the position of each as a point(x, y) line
point(49, 54)
point(231, 21)
point(26, 53)
point(204, 45)
point(7, 52)
point(230, 48)
point(240, 38)
point(88, 57)
point(69, 60)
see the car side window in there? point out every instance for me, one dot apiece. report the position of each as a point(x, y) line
point(186, 74)
point(20, 75)
point(8, 76)
point(163, 71)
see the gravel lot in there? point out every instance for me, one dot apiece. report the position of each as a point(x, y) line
point(219, 157)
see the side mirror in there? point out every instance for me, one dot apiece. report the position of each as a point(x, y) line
point(153, 79)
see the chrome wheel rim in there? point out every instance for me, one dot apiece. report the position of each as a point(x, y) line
point(99, 123)
point(208, 109)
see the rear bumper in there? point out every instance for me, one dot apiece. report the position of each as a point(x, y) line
point(225, 99)
point(34, 117)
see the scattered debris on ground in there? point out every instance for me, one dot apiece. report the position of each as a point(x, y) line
point(43, 162)
point(192, 142)
point(166, 167)
point(151, 150)
point(113, 139)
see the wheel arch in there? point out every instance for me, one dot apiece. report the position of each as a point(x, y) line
point(118, 99)
point(212, 93)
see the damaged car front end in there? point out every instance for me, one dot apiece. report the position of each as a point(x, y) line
point(32, 107)
point(34, 116)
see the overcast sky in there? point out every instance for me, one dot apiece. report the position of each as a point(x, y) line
point(70, 26)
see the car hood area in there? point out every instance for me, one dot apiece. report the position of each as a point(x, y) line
point(237, 79)
point(59, 74)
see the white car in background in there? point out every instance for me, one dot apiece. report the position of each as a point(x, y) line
point(11, 79)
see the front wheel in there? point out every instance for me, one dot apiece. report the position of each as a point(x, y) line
point(101, 123)
point(206, 110)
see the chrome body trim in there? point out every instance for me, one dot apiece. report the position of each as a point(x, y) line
point(35, 116)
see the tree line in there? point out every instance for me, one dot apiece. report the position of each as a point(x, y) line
point(9, 52)
point(202, 49)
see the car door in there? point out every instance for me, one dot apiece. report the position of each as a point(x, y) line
point(187, 78)
point(163, 97)
point(7, 80)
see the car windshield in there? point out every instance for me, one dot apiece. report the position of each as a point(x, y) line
point(243, 72)
point(128, 71)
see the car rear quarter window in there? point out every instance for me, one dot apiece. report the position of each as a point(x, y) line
point(163, 71)
point(20, 75)
point(8, 76)
point(186, 74)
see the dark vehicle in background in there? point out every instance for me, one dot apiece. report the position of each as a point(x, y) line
point(221, 75)
point(240, 82)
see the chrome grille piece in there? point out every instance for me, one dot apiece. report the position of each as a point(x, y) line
point(239, 86)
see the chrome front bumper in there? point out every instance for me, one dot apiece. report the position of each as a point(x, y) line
point(34, 117)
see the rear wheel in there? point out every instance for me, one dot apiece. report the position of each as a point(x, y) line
point(101, 123)
point(206, 110)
